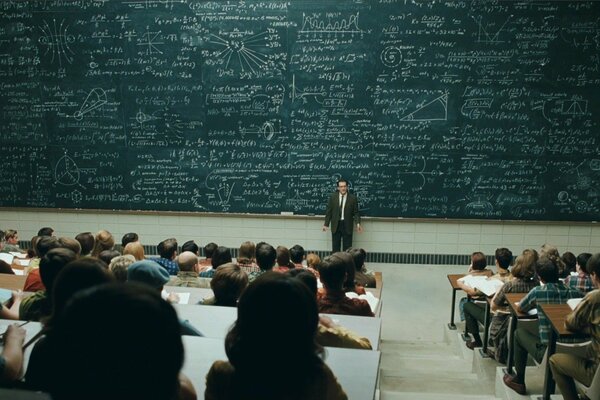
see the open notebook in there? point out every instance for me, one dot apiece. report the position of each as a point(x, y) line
point(369, 297)
point(483, 284)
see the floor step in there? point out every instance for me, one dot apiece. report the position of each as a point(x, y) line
point(432, 396)
point(534, 380)
point(426, 364)
point(410, 348)
point(435, 383)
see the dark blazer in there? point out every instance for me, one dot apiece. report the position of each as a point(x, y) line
point(332, 215)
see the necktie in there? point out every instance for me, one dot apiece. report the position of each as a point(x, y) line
point(342, 206)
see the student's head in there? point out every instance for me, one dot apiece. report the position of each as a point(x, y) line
point(281, 313)
point(149, 273)
point(118, 266)
point(283, 256)
point(106, 256)
point(45, 244)
point(582, 261)
point(478, 261)
point(349, 283)
point(32, 252)
point(103, 344)
point(313, 260)
point(220, 256)
point(103, 241)
point(532, 253)
point(167, 248)
point(228, 283)
point(190, 245)
point(86, 240)
point(71, 244)
point(359, 256)
point(333, 272)
point(11, 236)
point(247, 251)
point(135, 249)
point(46, 231)
point(265, 256)
point(129, 238)
point(503, 257)
point(593, 268)
point(297, 254)
point(187, 261)
point(549, 250)
point(547, 269)
point(524, 267)
point(209, 249)
point(570, 261)
point(308, 278)
point(51, 265)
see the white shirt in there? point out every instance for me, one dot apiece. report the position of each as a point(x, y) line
point(342, 203)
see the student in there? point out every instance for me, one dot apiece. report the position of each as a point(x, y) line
point(267, 366)
point(246, 258)
point(526, 343)
point(582, 281)
point(46, 231)
point(118, 266)
point(570, 262)
point(135, 249)
point(209, 249)
point(11, 242)
point(297, 255)
point(86, 240)
point(333, 271)
point(99, 348)
point(102, 241)
point(33, 282)
point(11, 358)
point(227, 284)
point(312, 263)
point(107, 256)
point(130, 237)
point(187, 276)
point(477, 267)
point(585, 318)
point(167, 250)
point(283, 260)
point(222, 255)
point(265, 258)
point(71, 244)
point(361, 277)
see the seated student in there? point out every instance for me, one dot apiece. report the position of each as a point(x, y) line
point(39, 304)
point(283, 260)
point(477, 267)
point(190, 245)
point(46, 231)
point(246, 258)
point(99, 347)
point(227, 284)
point(360, 277)
point(149, 273)
point(118, 266)
point(551, 251)
point(205, 264)
point(312, 263)
point(570, 262)
point(329, 333)
point(107, 255)
point(103, 240)
point(585, 318)
point(33, 282)
point(10, 310)
point(265, 258)
point(474, 314)
point(71, 244)
point(526, 343)
point(297, 255)
point(582, 281)
point(130, 237)
point(86, 240)
point(32, 254)
point(135, 249)
point(187, 275)
point(350, 283)
point(11, 242)
point(278, 303)
point(333, 272)
point(167, 250)
point(11, 358)
point(221, 255)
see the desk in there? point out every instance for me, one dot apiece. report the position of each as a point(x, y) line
point(215, 321)
point(12, 282)
point(356, 370)
point(376, 291)
point(557, 315)
point(196, 294)
point(32, 329)
point(515, 315)
point(453, 278)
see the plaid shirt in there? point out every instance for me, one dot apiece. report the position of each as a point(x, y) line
point(550, 293)
point(170, 265)
point(517, 285)
point(581, 282)
point(248, 266)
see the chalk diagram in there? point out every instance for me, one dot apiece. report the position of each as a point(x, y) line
point(57, 39)
point(66, 171)
point(299, 94)
point(479, 204)
point(581, 206)
point(221, 185)
point(240, 51)
point(315, 24)
point(435, 110)
point(150, 40)
point(583, 180)
point(552, 107)
point(391, 56)
point(422, 173)
point(141, 118)
point(267, 130)
point(76, 196)
point(96, 98)
point(297, 202)
point(485, 33)
point(473, 108)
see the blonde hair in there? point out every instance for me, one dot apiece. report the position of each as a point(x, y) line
point(135, 249)
point(312, 260)
point(104, 240)
point(118, 266)
point(524, 267)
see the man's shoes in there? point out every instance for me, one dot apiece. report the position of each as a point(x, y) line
point(517, 387)
point(471, 344)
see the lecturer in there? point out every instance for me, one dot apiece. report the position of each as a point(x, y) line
point(342, 212)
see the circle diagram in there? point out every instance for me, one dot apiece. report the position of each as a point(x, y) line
point(391, 56)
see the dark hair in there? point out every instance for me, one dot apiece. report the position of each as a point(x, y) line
point(45, 244)
point(332, 271)
point(167, 248)
point(342, 180)
point(275, 302)
point(45, 231)
point(582, 260)
point(31, 252)
point(209, 249)
point(283, 256)
point(504, 257)
point(128, 238)
point(52, 263)
point(70, 244)
point(478, 261)
point(107, 256)
point(296, 253)
point(116, 322)
point(593, 265)
point(547, 269)
point(190, 245)
point(86, 240)
point(247, 251)
point(359, 256)
point(308, 278)
point(228, 283)
point(265, 256)
point(570, 262)
point(222, 255)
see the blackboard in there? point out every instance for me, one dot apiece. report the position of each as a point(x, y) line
point(442, 109)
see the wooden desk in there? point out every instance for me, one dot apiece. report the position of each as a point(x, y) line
point(453, 278)
point(12, 282)
point(32, 329)
point(557, 315)
point(356, 370)
point(215, 321)
point(515, 315)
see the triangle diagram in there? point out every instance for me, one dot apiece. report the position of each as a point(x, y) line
point(435, 110)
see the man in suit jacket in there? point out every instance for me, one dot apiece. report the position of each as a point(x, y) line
point(342, 213)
